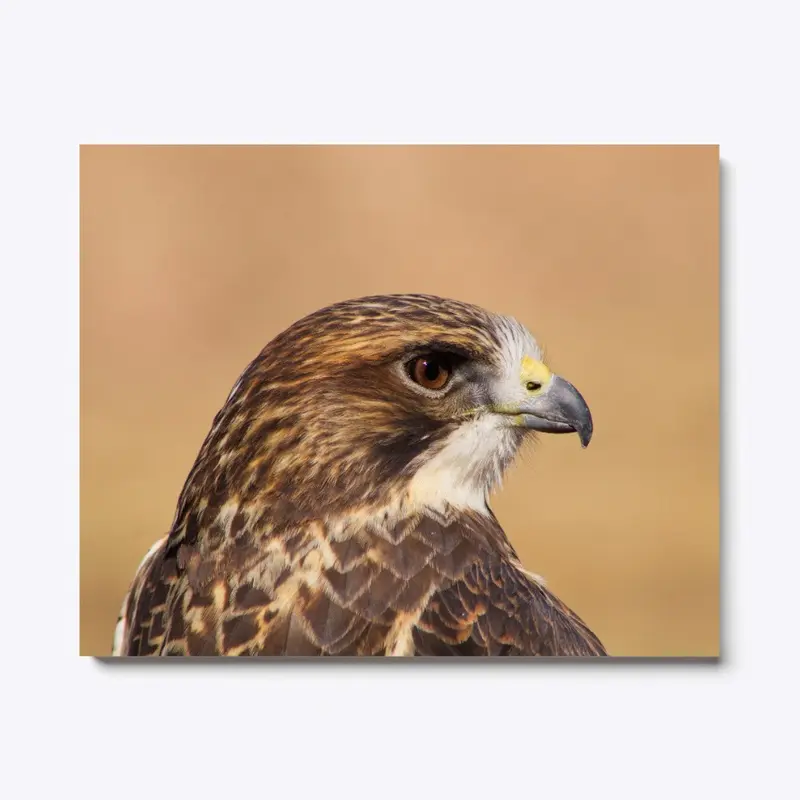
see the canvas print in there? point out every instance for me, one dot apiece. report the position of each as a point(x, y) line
point(407, 401)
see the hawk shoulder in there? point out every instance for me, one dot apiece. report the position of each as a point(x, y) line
point(427, 585)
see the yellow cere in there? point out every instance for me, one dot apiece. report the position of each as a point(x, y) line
point(533, 370)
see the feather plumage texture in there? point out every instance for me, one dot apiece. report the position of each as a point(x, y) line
point(301, 529)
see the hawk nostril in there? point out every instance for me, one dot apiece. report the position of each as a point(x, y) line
point(532, 386)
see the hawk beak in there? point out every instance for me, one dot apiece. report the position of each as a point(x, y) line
point(559, 408)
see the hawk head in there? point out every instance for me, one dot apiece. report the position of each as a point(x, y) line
point(412, 399)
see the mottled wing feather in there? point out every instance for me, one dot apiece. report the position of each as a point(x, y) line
point(425, 586)
point(496, 609)
point(140, 627)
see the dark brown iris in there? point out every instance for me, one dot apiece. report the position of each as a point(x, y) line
point(431, 371)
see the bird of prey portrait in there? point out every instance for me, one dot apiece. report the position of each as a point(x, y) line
point(339, 503)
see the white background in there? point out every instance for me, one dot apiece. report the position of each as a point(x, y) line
point(79, 72)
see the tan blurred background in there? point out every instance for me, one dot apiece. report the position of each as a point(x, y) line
point(192, 258)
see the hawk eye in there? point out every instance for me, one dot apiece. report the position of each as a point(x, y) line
point(432, 371)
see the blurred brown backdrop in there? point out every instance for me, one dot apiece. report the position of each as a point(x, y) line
point(192, 258)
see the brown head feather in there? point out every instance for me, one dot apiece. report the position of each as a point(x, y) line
point(320, 420)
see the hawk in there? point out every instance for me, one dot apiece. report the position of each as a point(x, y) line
point(339, 503)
